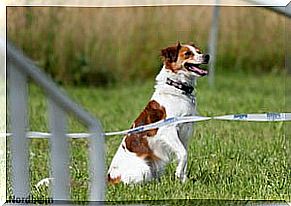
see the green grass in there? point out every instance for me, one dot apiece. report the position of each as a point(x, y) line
point(102, 50)
point(227, 160)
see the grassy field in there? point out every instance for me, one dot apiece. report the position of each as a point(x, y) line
point(93, 45)
point(227, 160)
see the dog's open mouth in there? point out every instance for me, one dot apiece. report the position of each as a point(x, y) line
point(195, 68)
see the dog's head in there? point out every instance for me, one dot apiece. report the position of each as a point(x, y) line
point(185, 58)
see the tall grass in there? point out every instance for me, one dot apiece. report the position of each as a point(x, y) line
point(103, 45)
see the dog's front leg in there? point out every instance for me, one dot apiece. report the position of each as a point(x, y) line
point(174, 142)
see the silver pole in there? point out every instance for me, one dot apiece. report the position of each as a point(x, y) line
point(59, 152)
point(59, 104)
point(19, 143)
point(97, 166)
point(212, 43)
point(287, 127)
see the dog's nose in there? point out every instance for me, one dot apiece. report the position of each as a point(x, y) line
point(206, 58)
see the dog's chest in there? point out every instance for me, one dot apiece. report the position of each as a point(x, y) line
point(176, 105)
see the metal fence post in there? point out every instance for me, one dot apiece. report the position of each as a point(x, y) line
point(212, 43)
point(97, 167)
point(59, 152)
point(288, 78)
point(59, 106)
point(19, 142)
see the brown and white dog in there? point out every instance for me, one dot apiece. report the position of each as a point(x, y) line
point(143, 156)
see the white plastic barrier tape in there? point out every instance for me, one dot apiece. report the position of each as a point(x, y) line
point(168, 121)
point(267, 117)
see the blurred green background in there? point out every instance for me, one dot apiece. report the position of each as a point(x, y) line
point(103, 46)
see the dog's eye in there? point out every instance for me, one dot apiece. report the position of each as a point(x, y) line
point(199, 52)
point(188, 53)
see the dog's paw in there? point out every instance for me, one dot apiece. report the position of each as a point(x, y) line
point(182, 177)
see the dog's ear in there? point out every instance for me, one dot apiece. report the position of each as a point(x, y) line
point(171, 53)
point(192, 44)
point(178, 45)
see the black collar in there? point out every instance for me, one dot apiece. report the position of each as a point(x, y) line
point(179, 85)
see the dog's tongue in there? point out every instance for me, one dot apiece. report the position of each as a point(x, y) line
point(196, 69)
